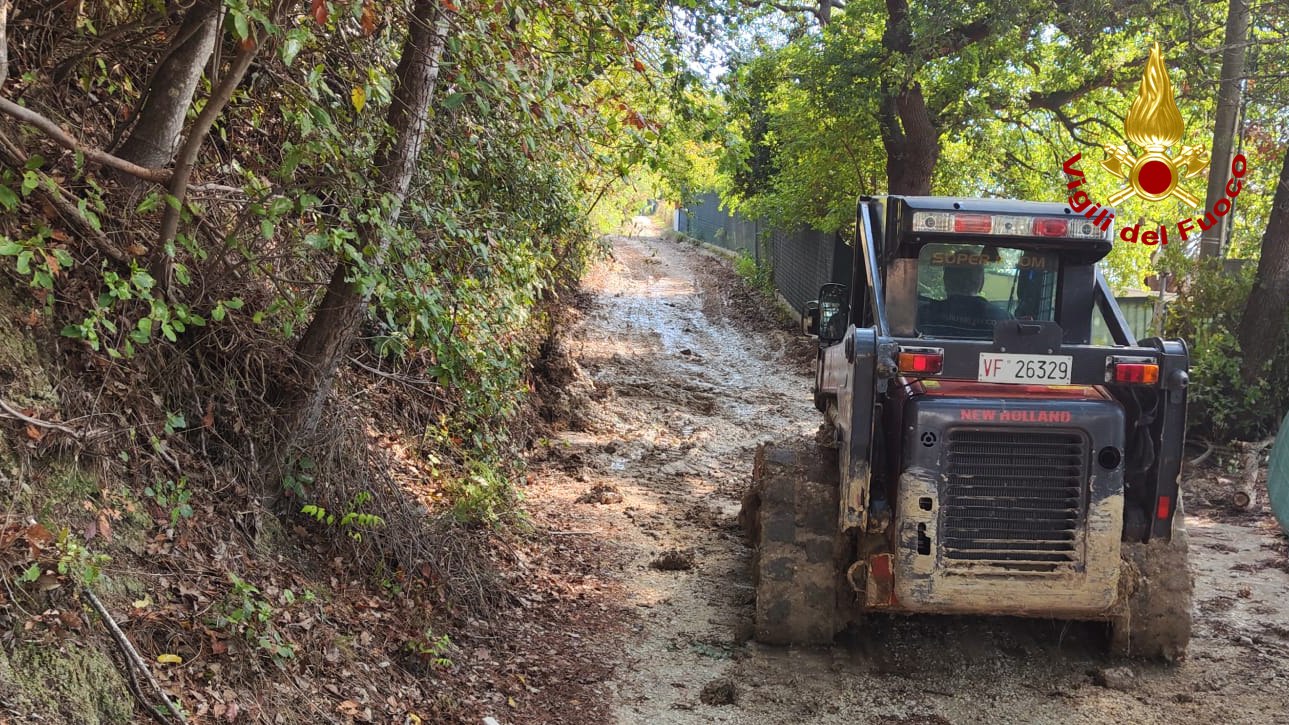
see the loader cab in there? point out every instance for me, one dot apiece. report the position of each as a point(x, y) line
point(954, 268)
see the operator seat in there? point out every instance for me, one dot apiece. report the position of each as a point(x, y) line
point(969, 316)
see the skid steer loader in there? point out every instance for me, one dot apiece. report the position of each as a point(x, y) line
point(997, 441)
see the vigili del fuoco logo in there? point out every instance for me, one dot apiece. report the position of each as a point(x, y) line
point(1154, 125)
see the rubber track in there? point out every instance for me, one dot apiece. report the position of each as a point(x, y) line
point(793, 524)
point(1157, 584)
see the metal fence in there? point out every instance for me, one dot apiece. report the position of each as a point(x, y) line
point(802, 259)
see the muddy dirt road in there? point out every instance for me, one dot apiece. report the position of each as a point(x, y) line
point(682, 381)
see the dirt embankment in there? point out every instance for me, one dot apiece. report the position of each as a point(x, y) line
point(683, 377)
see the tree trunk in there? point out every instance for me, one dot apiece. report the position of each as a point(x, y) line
point(339, 317)
point(1228, 106)
point(824, 13)
point(1263, 323)
point(909, 133)
point(911, 140)
point(155, 136)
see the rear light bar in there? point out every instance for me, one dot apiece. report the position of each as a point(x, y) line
point(1132, 371)
point(921, 360)
point(1005, 225)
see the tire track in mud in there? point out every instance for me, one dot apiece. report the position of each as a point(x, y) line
point(685, 389)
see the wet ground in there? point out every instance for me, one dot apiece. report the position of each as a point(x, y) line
point(683, 378)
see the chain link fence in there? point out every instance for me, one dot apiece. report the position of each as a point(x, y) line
point(802, 260)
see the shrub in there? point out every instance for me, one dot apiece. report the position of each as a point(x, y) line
point(1207, 315)
point(758, 276)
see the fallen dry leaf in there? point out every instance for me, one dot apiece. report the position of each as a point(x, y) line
point(368, 19)
point(104, 525)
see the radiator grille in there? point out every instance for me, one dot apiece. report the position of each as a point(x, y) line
point(1014, 499)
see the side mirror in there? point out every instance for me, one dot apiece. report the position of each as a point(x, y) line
point(810, 319)
point(834, 313)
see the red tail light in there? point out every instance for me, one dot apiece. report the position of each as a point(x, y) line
point(1164, 508)
point(1136, 373)
point(977, 223)
point(1051, 227)
point(921, 362)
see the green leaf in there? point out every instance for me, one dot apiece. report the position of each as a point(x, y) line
point(454, 100)
point(280, 206)
point(8, 199)
point(150, 202)
point(8, 248)
point(241, 26)
point(31, 574)
point(290, 49)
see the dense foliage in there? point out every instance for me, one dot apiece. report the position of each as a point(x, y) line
point(1039, 84)
point(814, 115)
point(540, 111)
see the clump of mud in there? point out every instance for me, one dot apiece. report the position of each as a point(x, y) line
point(566, 392)
point(674, 560)
point(721, 691)
point(601, 493)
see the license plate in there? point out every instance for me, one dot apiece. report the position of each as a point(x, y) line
point(1037, 369)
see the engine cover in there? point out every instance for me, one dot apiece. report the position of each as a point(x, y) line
point(1010, 503)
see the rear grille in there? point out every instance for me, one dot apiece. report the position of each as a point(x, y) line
point(1014, 499)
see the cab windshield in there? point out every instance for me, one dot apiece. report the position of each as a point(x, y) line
point(965, 289)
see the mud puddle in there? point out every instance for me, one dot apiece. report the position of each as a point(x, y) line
point(686, 382)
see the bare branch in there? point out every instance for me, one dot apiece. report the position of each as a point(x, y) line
point(135, 662)
point(65, 139)
point(7, 410)
point(4, 41)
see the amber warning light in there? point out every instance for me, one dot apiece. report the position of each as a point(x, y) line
point(1135, 373)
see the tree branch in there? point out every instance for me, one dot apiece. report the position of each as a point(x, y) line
point(13, 155)
point(1052, 100)
point(962, 36)
point(163, 263)
point(64, 139)
point(4, 41)
point(9, 411)
point(135, 661)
